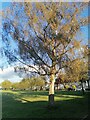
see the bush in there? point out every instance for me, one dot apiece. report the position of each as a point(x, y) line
point(66, 86)
point(74, 87)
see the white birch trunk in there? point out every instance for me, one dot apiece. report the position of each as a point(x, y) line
point(51, 90)
point(51, 87)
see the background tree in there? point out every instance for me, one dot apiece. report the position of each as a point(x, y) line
point(24, 84)
point(45, 34)
point(40, 82)
point(15, 86)
point(6, 84)
point(77, 70)
point(37, 82)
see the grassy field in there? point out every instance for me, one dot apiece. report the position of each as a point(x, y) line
point(26, 104)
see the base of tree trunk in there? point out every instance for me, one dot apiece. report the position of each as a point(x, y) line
point(83, 91)
point(51, 99)
point(88, 83)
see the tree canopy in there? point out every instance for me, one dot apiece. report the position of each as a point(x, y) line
point(6, 84)
point(45, 33)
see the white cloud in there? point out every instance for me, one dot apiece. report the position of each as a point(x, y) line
point(9, 74)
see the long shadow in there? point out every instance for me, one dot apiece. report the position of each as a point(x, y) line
point(44, 93)
point(14, 107)
point(77, 93)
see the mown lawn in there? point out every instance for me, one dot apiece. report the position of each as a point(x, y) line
point(26, 104)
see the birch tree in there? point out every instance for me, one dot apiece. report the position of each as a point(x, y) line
point(45, 35)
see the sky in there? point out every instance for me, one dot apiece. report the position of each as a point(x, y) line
point(8, 73)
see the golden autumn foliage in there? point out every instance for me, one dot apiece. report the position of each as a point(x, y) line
point(77, 70)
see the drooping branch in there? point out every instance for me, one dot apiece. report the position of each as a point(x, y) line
point(31, 48)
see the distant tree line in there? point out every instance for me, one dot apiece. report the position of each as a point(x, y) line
point(26, 84)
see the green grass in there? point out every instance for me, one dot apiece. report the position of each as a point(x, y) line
point(26, 104)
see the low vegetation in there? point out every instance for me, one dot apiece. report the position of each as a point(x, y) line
point(25, 84)
point(22, 104)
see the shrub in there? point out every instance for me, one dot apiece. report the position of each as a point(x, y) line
point(74, 87)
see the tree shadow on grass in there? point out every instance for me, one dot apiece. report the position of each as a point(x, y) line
point(77, 93)
point(15, 107)
point(44, 93)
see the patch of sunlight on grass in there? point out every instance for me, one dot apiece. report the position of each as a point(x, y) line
point(66, 97)
point(9, 91)
point(38, 98)
point(21, 100)
point(61, 98)
point(72, 96)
